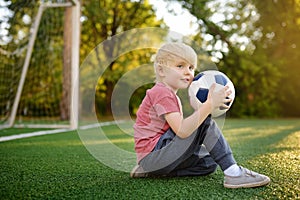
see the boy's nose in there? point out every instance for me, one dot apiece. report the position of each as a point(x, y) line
point(188, 71)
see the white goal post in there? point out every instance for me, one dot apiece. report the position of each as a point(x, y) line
point(74, 5)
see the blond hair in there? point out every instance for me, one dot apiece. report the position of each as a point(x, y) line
point(169, 51)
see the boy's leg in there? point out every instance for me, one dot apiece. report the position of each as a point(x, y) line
point(170, 159)
point(218, 151)
point(217, 146)
point(171, 151)
point(179, 152)
point(196, 166)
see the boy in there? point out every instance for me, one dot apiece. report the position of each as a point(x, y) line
point(167, 144)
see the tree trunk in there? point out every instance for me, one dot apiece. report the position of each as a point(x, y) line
point(109, 91)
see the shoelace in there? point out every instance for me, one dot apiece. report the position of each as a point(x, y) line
point(249, 172)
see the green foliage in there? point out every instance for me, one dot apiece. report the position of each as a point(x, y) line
point(259, 41)
point(13, 41)
point(45, 66)
point(103, 20)
point(256, 44)
point(45, 72)
point(256, 82)
point(280, 42)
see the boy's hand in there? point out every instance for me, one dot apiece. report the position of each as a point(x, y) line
point(217, 97)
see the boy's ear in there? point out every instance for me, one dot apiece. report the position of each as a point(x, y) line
point(160, 71)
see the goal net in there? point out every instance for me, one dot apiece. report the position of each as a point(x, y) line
point(39, 53)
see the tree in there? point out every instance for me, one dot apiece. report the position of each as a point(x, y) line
point(103, 20)
point(45, 66)
point(280, 29)
point(232, 39)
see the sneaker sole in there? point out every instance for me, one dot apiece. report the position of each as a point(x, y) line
point(248, 185)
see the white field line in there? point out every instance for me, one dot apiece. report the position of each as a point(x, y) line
point(48, 132)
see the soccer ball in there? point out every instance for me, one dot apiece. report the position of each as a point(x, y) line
point(198, 89)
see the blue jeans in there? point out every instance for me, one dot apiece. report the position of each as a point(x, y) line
point(198, 154)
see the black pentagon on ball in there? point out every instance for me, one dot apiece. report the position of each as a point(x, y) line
point(198, 76)
point(202, 94)
point(220, 80)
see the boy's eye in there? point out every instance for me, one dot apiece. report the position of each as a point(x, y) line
point(191, 67)
point(180, 66)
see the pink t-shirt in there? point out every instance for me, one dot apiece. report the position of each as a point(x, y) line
point(150, 123)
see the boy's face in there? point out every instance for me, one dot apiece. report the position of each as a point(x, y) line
point(178, 74)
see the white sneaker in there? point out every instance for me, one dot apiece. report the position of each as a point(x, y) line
point(247, 179)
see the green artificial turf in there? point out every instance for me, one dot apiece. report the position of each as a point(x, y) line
point(59, 167)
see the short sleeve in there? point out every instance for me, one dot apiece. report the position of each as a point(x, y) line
point(166, 104)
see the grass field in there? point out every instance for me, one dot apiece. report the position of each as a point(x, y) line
point(59, 167)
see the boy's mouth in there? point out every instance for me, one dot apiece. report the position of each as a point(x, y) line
point(186, 79)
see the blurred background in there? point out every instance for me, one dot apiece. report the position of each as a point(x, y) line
point(256, 43)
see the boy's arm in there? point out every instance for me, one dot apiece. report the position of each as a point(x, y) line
point(185, 127)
